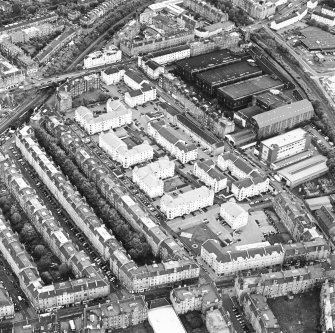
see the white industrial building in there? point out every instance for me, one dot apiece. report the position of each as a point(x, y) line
point(164, 320)
point(303, 171)
point(116, 115)
point(285, 146)
point(187, 202)
point(118, 150)
point(234, 215)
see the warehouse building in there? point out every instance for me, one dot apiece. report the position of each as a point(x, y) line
point(282, 118)
point(209, 81)
point(238, 95)
point(305, 170)
point(284, 146)
point(272, 99)
point(188, 68)
point(164, 319)
point(318, 40)
point(242, 117)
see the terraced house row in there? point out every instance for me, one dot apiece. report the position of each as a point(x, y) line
point(90, 283)
point(176, 266)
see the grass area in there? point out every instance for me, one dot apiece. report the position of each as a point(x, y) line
point(192, 322)
point(299, 315)
point(173, 184)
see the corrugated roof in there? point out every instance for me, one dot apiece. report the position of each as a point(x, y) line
point(282, 113)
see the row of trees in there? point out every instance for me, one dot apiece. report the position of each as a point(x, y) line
point(87, 38)
point(33, 243)
point(133, 241)
point(236, 15)
point(314, 23)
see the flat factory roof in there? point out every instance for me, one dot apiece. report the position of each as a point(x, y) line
point(228, 72)
point(318, 39)
point(165, 320)
point(285, 138)
point(251, 87)
point(283, 112)
point(310, 166)
point(207, 60)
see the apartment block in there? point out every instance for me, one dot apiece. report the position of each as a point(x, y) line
point(116, 115)
point(206, 10)
point(149, 178)
point(7, 310)
point(234, 215)
point(218, 321)
point(89, 282)
point(285, 282)
point(207, 172)
point(153, 44)
point(327, 304)
point(140, 96)
point(151, 68)
point(166, 56)
point(293, 214)
point(142, 91)
point(35, 22)
point(176, 265)
point(323, 18)
point(99, 58)
point(119, 314)
point(168, 139)
point(257, 9)
point(248, 257)
point(112, 75)
point(201, 297)
point(63, 101)
point(314, 250)
point(186, 202)
point(250, 182)
point(118, 150)
point(81, 85)
point(259, 314)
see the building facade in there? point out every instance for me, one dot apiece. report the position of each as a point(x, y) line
point(165, 137)
point(112, 75)
point(117, 115)
point(201, 297)
point(149, 178)
point(116, 315)
point(230, 262)
point(284, 146)
point(176, 265)
point(234, 215)
point(207, 173)
point(119, 151)
point(259, 314)
point(99, 58)
point(250, 182)
point(187, 202)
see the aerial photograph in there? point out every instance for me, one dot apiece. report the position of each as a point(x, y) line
point(167, 166)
